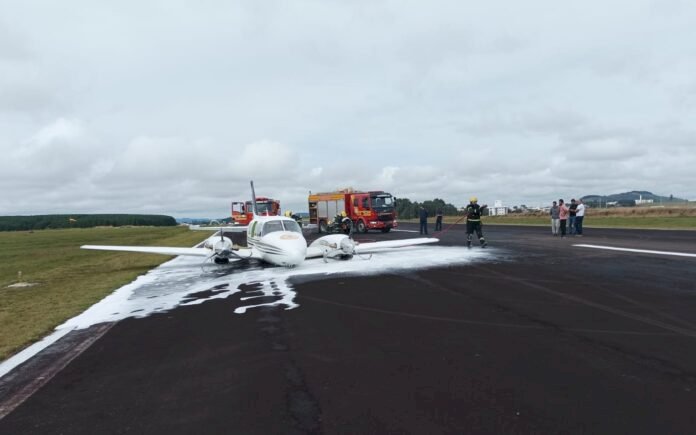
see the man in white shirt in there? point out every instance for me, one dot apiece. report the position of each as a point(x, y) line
point(579, 217)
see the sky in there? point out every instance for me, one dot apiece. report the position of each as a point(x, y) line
point(171, 107)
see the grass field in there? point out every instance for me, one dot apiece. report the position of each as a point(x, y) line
point(68, 279)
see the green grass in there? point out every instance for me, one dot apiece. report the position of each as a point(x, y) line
point(69, 279)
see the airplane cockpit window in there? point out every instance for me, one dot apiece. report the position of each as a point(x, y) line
point(272, 227)
point(292, 226)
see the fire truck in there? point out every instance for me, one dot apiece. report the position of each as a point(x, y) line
point(372, 210)
point(242, 212)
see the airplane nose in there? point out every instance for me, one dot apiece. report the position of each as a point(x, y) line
point(286, 249)
point(295, 257)
point(297, 253)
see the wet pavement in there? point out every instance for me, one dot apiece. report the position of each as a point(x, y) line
point(532, 335)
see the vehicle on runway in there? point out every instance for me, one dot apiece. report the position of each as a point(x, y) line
point(277, 240)
point(242, 212)
point(373, 210)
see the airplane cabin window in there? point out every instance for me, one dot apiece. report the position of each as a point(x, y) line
point(292, 226)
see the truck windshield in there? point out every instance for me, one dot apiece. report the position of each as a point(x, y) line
point(383, 202)
point(262, 207)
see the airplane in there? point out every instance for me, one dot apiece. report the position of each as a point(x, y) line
point(277, 240)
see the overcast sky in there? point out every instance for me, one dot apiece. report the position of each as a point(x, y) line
point(172, 107)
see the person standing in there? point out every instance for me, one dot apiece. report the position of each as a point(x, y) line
point(473, 222)
point(579, 217)
point(423, 216)
point(438, 219)
point(555, 222)
point(571, 216)
point(563, 212)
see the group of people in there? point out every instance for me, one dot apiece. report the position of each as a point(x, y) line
point(473, 221)
point(567, 218)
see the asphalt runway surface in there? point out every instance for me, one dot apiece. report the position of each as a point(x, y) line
point(537, 336)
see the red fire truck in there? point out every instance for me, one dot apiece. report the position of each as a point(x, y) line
point(368, 210)
point(242, 213)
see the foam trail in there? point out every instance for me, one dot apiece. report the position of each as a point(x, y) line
point(182, 282)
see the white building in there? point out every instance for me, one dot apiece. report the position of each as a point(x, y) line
point(498, 209)
point(643, 201)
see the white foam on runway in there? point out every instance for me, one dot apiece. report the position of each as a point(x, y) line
point(182, 282)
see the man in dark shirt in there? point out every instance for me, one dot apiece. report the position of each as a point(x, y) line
point(438, 220)
point(423, 215)
point(473, 222)
point(571, 218)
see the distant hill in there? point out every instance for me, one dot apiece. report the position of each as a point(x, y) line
point(629, 198)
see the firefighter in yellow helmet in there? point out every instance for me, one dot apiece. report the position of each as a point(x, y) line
point(288, 213)
point(473, 222)
point(343, 222)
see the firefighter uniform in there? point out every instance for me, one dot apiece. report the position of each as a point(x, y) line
point(473, 222)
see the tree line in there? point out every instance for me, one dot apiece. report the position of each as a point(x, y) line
point(41, 222)
point(407, 209)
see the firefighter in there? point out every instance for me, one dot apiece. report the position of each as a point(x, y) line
point(473, 222)
point(343, 223)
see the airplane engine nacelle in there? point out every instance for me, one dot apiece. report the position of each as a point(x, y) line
point(335, 246)
point(221, 246)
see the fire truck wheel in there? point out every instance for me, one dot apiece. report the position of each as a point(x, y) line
point(323, 228)
point(362, 228)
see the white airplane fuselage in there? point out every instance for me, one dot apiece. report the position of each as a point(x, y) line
point(277, 240)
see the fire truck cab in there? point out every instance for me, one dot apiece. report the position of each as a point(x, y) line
point(367, 210)
point(242, 212)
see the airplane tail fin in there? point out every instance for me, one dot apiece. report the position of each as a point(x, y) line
point(253, 199)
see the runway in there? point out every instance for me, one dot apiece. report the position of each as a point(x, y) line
point(531, 335)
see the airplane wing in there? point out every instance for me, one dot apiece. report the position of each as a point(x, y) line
point(314, 250)
point(366, 248)
point(197, 252)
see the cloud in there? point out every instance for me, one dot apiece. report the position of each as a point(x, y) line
point(424, 100)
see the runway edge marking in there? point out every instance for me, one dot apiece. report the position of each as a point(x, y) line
point(641, 251)
point(10, 403)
